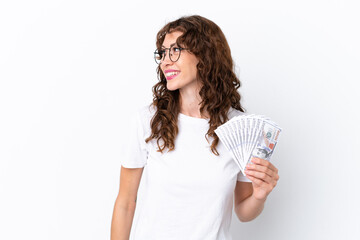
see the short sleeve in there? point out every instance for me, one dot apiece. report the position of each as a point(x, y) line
point(134, 152)
point(242, 178)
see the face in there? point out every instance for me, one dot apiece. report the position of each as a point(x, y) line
point(184, 67)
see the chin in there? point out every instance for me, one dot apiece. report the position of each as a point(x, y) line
point(170, 87)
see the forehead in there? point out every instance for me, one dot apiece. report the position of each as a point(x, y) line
point(170, 38)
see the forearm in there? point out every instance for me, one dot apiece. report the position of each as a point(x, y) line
point(121, 222)
point(249, 209)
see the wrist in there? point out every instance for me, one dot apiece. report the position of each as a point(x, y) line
point(259, 200)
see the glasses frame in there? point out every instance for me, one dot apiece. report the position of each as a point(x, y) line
point(164, 56)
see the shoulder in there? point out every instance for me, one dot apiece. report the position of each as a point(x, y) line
point(144, 115)
point(234, 112)
point(146, 111)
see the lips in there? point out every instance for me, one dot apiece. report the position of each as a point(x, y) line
point(171, 74)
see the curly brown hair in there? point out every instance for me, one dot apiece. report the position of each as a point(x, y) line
point(215, 71)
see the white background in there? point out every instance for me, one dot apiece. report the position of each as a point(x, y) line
point(72, 72)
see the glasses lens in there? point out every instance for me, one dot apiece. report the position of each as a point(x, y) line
point(158, 56)
point(174, 54)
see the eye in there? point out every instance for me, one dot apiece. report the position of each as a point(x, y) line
point(176, 49)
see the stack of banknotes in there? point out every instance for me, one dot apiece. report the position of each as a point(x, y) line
point(248, 136)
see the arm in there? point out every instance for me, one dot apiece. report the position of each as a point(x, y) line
point(125, 203)
point(247, 207)
point(250, 197)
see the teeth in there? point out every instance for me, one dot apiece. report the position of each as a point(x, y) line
point(171, 74)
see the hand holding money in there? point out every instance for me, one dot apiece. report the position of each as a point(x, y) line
point(264, 177)
point(248, 136)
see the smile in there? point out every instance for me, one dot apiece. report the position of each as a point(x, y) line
point(171, 75)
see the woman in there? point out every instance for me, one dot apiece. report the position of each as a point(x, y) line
point(191, 177)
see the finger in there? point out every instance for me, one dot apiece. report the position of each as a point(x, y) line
point(260, 175)
point(260, 182)
point(260, 168)
point(264, 162)
point(255, 180)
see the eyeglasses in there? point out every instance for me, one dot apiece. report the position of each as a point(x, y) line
point(174, 54)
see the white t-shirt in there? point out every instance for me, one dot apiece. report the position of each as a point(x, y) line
point(189, 191)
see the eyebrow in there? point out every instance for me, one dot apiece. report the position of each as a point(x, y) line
point(170, 45)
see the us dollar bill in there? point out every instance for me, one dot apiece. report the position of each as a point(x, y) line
point(266, 141)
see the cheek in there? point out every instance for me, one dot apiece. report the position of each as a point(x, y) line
point(188, 67)
point(194, 70)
